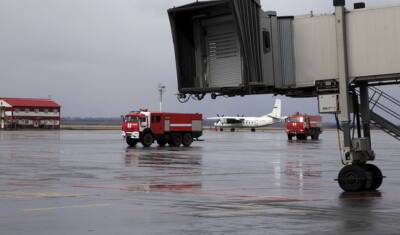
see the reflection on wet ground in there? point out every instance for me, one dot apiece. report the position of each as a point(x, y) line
point(79, 182)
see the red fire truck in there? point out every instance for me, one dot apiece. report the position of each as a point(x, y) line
point(303, 125)
point(175, 129)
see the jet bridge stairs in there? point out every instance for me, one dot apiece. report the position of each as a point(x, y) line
point(384, 103)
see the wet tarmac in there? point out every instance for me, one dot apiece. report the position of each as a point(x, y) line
point(89, 182)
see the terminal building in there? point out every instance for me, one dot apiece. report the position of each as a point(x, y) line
point(23, 113)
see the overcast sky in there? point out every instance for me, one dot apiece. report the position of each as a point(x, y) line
point(102, 58)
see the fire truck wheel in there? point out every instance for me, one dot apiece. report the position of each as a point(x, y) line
point(187, 140)
point(301, 137)
point(147, 140)
point(315, 137)
point(290, 137)
point(131, 142)
point(175, 140)
point(161, 142)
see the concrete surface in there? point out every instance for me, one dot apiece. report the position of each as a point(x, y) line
point(89, 182)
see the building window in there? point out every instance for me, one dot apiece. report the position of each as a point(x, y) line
point(26, 110)
point(55, 110)
point(36, 110)
point(46, 110)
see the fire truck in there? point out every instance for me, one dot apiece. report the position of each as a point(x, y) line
point(302, 126)
point(174, 129)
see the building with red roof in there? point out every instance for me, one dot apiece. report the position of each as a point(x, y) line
point(27, 113)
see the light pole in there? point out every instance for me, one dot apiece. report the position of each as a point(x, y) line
point(161, 89)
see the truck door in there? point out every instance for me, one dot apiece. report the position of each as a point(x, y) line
point(143, 123)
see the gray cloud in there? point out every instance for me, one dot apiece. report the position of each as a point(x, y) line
point(103, 57)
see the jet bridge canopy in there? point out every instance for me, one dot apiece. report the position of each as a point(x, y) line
point(217, 45)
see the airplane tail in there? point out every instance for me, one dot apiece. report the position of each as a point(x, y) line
point(277, 111)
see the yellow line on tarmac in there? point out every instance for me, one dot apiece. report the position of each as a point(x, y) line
point(66, 207)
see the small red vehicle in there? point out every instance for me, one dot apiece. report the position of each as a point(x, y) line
point(303, 125)
point(175, 129)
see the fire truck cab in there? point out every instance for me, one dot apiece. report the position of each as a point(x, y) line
point(174, 129)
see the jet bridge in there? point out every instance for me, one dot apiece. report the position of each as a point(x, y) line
point(234, 48)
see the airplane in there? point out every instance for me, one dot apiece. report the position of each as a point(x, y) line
point(250, 122)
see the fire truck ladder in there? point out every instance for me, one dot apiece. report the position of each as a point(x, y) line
point(384, 103)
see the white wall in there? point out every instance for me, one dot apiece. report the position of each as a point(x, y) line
point(22, 113)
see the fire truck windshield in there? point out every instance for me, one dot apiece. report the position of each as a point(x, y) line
point(132, 119)
point(295, 119)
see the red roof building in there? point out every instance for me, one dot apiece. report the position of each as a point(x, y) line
point(23, 113)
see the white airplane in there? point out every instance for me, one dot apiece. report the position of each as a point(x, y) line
point(250, 122)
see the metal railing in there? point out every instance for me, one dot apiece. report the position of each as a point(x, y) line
point(383, 102)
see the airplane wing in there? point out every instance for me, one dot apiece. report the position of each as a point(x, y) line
point(226, 118)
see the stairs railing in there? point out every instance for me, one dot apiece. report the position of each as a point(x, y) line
point(385, 125)
point(383, 101)
point(386, 104)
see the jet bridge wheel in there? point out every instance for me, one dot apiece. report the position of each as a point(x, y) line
point(352, 178)
point(374, 177)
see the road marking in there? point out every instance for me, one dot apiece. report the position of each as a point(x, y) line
point(194, 187)
point(66, 207)
point(39, 195)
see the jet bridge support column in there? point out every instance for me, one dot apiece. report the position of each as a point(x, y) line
point(356, 175)
point(344, 103)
